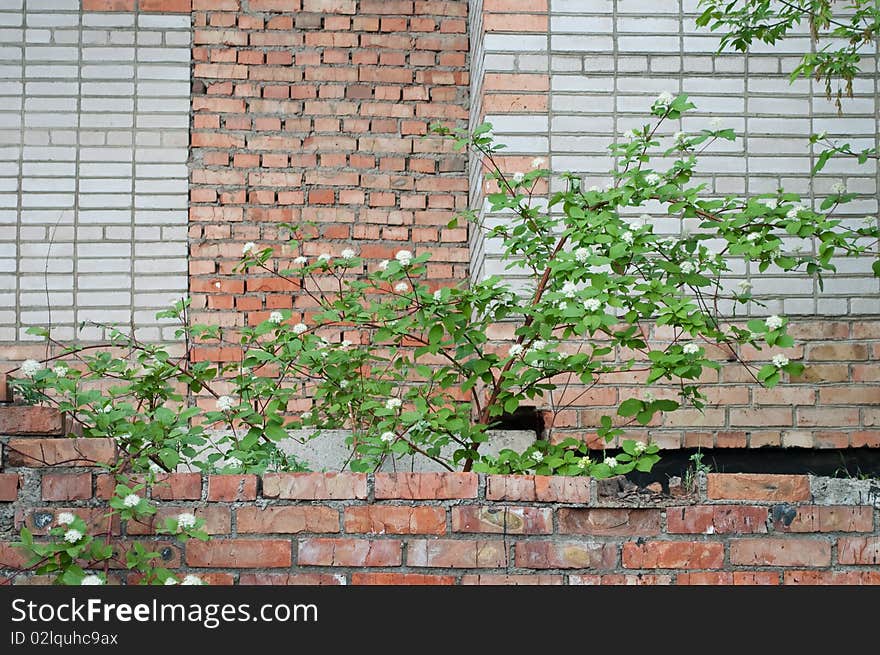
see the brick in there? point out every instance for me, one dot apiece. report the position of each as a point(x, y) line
point(628, 579)
point(177, 486)
point(716, 519)
point(286, 520)
point(217, 519)
point(450, 553)
point(563, 554)
point(6, 392)
point(758, 486)
point(232, 488)
point(540, 488)
point(9, 484)
point(239, 553)
point(298, 579)
point(12, 557)
point(780, 552)
point(496, 580)
point(858, 550)
point(67, 486)
point(611, 522)
point(502, 520)
point(166, 6)
point(108, 5)
point(349, 552)
point(832, 578)
point(673, 555)
point(408, 579)
point(382, 519)
point(728, 578)
point(60, 452)
point(426, 486)
point(315, 486)
point(830, 518)
point(30, 420)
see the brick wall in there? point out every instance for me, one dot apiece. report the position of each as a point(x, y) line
point(452, 528)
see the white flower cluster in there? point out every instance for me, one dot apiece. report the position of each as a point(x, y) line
point(687, 267)
point(780, 360)
point(538, 456)
point(773, 322)
point(186, 521)
point(192, 580)
point(61, 370)
point(131, 500)
point(299, 261)
point(401, 287)
point(690, 349)
point(65, 518)
point(225, 403)
point(518, 177)
point(794, 211)
point(664, 99)
point(348, 253)
point(569, 289)
point(30, 367)
point(839, 188)
point(584, 462)
point(610, 462)
point(91, 580)
point(640, 447)
point(404, 257)
point(393, 403)
point(592, 304)
point(276, 318)
point(539, 162)
point(582, 255)
point(652, 178)
point(515, 350)
point(388, 437)
point(247, 248)
point(299, 328)
point(72, 536)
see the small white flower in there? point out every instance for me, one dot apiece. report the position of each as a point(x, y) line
point(192, 580)
point(518, 177)
point(393, 403)
point(343, 384)
point(276, 317)
point(515, 350)
point(569, 289)
point(324, 257)
point(649, 397)
point(538, 344)
point(639, 447)
point(170, 581)
point(537, 456)
point(299, 261)
point(107, 408)
point(562, 305)
point(592, 304)
point(388, 437)
point(247, 248)
point(652, 178)
point(664, 99)
point(779, 360)
point(584, 462)
point(753, 236)
point(131, 500)
point(65, 518)
point(383, 265)
point(838, 188)
point(773, 322)
point(610, 462)
point(745, 286)
point(91, 580)
point(345, 344)
point(687, 268)
point(233, 462)
point(401, 287)
point(404, 257)
point(690, 349)
point(539, 162)
point(627, 237)
point(186, 521)
point(299, 328)
point(30, 367)
point(642, 220)
point(225, 403)
point(72, 536)
point(582, 255)
point(306, 416)
point(438, 294)
point(715, 124)
point(60, 370)
point(348, 253)
point(794, 211)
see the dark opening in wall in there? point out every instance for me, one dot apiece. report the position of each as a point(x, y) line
point(859, 463)
point(525, 417)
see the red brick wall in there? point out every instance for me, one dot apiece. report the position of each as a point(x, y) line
point(316, 110)
point(458, 528)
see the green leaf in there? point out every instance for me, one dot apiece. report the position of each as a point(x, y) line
point(630, 407)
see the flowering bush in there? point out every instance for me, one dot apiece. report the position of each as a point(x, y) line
point(408, 367)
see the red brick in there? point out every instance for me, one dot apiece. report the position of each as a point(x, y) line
point(502, 520)
point(780, 552)
point(349, 552)
point(426, 486)
point(239, 553)
point(562, 554)
point(832, 578)
point(611, 522)
point(287, 520)
point(858, 550)
point(401, 579)
point(12, 557)
point(540, 488)
point(108, 5)
point(303, 579)
point(232, 488)
point(67, 486)
point(830, 518)
point(383, 519)
point(315, 486)
point(629, 579)
point(166, 6)
point(30, 420)
point(673, 555)
point(491, 579)
point(758, 486)
point(9, 483)
point(217, 519)
point(6, 393)
point(177, 486)
point(60, 452)
point(451, 553)
point(716, 519)
point(728, 578)
point(97, 518)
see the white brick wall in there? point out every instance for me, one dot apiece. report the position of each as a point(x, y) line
point(610, 58)
point(94, 120)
